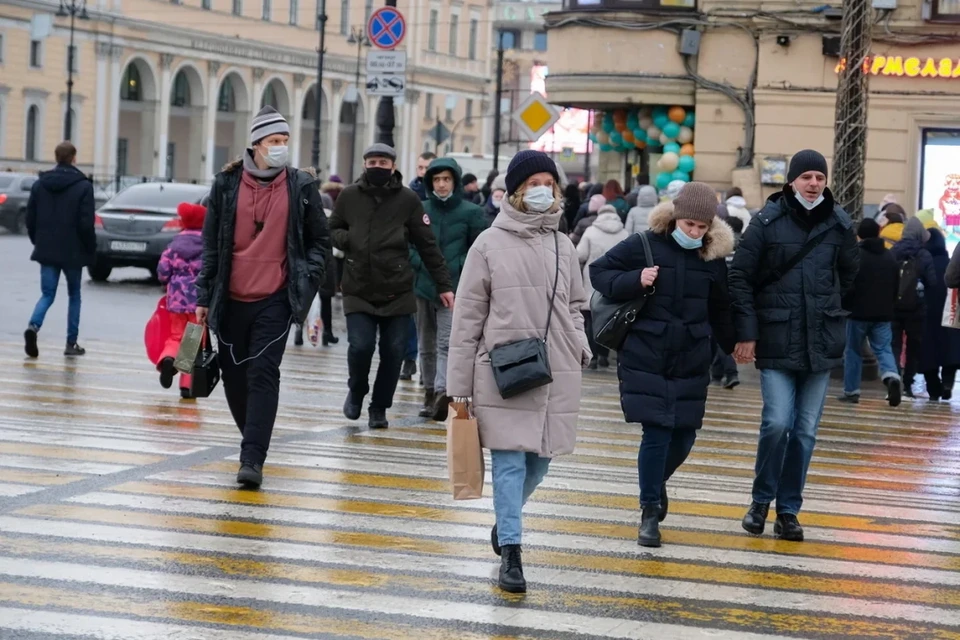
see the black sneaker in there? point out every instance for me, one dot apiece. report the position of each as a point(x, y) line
point(787, 527)
point(351, 410)
point(756, 518)
point(441, 407)
point(250, 475)
point(166, 373)
point(732, 382)
point(894, 390)
point(511, 570)
point(30, 341)
point(74, 350)
point(409, 370)
point(377, 418)
point(853, 398)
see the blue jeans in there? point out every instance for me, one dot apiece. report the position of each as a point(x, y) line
point(792, 406)
point(411, 349)
point(515, 477)
point(662, 451)
point(49, 280)
point(362, 338)
point(880, 336)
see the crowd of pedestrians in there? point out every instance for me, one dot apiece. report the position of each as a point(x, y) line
point(446, 271)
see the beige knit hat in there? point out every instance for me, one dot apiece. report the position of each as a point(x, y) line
point(696, 201)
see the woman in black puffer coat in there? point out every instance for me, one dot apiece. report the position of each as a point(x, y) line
point(664, 364)
point(940, 356)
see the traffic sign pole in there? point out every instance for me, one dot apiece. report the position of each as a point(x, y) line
point(385, 117)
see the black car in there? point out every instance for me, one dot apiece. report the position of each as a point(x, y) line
point(14, 193)
point(137, 224)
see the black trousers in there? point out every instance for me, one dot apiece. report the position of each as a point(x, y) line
point(913, 327)
point(326, 313)
point(940, 380)
point(253, 338)
point(362, 337)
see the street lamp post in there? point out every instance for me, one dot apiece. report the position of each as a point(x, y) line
point(358, 37)
point(75, 9)
point(499, 99)
point(318, 91)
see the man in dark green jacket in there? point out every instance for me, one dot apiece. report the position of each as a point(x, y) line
point(456, 223)
point(374, 222)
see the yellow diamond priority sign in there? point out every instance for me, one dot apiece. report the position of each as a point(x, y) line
point(535, 116)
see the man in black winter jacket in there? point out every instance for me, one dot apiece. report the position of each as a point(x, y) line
point(60, 217)
point(871, 304)
point(795, 260)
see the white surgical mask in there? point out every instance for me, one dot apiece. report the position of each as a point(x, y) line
point(277, 156)
point(495, 202)
point(443, 198)
point(538, 199)
point(806, 204)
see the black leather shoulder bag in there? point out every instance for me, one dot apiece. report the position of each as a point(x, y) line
point(522, 365)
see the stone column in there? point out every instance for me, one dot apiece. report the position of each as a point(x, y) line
point(113, 90)
point(296, 127)
point(210, 126)
point(257, 92)
point(100, 145)
point(334, 137)
point(163, 117)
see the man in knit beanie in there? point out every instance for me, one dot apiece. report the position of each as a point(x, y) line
point(796, 259)
point(263, 262)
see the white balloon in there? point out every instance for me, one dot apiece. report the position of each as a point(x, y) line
point(668, 161)
point(645, 122)
point(664, 139)
point(685, 136)
point(653, 133)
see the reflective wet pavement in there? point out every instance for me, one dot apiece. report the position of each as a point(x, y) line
point(121, 520)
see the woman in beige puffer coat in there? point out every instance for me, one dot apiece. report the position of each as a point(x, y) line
point(504, 296)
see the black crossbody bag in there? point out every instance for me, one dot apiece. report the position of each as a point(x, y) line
point(795, 259)
point(523, 365)
point(612, 318)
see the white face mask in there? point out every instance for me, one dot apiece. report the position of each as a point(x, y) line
point(495, 202)
point(277, 156)
point(538, 199)
point(806, 204)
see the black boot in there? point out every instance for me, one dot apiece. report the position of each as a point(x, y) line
point(603, 362)
point(511, 570)
point(298, 337)
point(377, 418)
point(664, 503)
point(351, 408)
point(593, 363)
point(30, 341)
point(250, 475)
point(495, 541)
point(185, 394)
point(329, 338)
point(649, 533)
point(756, 518)
point(429, 398)
point(166, 373)
point(441, 406)
point(408, 370)
point(74, 350)
point(787, 527)
point(894, 391)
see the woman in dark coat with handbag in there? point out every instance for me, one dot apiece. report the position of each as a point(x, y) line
point(328, 288)
point(940, 355)
point(664, 364)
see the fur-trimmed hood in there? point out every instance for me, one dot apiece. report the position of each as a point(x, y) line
point(717, 242)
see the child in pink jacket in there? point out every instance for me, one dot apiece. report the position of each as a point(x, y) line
point(178, 269)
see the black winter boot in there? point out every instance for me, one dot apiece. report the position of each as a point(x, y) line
point(408, 370)
point(787, 527)
point(495, 541)
point(298, 336)
point(429, 398)
point(166, 373)
point(664, 503)
point(649, 533)
point(250, 475)
point(756, 518)
point(511, 570)
point(377, 418)
point(441, 406)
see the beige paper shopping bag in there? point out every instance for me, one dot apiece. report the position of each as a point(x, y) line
point(464, 454)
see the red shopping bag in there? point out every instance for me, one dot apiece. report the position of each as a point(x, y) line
point(157, 330)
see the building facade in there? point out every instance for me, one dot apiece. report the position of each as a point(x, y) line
point(167, 89)
point(761, 82)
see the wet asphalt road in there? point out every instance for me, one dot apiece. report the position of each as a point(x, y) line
point(120, 518)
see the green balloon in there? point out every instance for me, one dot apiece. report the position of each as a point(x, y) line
point(663, 180)
point(606, 147)
point(671, 147)
point(687, 164)
point(680, 175)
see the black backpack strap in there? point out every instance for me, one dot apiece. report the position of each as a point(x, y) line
point(795, 259)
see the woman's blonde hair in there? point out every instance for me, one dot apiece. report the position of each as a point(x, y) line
point(516, 200)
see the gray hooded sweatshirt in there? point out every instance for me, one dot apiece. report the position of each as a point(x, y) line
point(637, 218)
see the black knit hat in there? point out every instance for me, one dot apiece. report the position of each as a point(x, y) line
point(806, 160)
point(868, 229)
point(527, 163)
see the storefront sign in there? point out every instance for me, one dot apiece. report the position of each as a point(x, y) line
point(911, 67)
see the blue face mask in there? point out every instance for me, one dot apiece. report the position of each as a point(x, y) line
point(685, 241)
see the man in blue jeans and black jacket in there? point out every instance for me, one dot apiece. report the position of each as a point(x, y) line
point(796, 259)
point(60, 218)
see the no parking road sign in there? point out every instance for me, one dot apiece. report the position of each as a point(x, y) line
point(386, 28)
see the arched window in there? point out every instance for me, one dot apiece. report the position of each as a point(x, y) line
point(270, 98)
point(33, 122)
point(130, 88)
point(180, 96)
point(227, 101)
